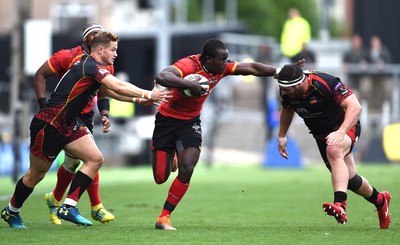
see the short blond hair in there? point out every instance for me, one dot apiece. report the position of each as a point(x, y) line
point(103, 38)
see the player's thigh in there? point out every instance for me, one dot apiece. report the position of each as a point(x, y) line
point(84, 148)
point(38, 165)
point(340, 150)
point(189, 150)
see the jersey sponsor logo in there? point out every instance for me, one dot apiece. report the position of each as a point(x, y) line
point(197, 128)
point(103, 71)
point(343, 90)
point(213, 80)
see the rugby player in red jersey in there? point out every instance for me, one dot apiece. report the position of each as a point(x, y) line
point(177, 125)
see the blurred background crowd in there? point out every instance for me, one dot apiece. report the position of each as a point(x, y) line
point(348, 38)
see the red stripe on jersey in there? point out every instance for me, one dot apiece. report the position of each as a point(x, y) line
point(36, 148)
point(319, 79)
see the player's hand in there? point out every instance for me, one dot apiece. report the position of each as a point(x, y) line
point(158, 95)
point(141, 101)
point(106, 124)
point(157, 103)
point(149, 102)
point(195, 88)
point(282, 142)
point(335, 137)
point(301, 62)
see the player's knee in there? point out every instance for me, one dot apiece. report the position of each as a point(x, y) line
point(161, 169)
point(186, 174)
point(355, 183)
point(328, 166)
point(333, 152)
point(160, 176)
point(97, 161)
point(160, 179)
point(33, 177)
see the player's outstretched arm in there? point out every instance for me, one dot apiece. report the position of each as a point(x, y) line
point(259, 69)
point(136, 100)
point(127, 89)
point(255, 68)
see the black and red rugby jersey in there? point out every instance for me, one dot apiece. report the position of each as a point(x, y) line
point(75, 89)
point(64, 59)
point(320, 107)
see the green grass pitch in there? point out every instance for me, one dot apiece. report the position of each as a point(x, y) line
point(224, 205)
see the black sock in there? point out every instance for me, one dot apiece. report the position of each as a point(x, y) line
point(374, 198)
point(339, 196)
point(80, 182)
point(21, 193)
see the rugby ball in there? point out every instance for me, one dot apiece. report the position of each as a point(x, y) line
point(205, 84)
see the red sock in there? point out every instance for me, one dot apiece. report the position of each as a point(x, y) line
point(93, 191)
point(64, 178)
point(175, 194)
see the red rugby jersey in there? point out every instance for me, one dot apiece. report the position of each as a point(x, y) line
point(182, 107)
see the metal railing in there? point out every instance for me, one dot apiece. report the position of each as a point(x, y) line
point(387, 70)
